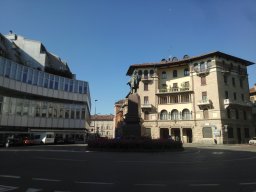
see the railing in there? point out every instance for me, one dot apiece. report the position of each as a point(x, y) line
point(205, 102)
point(174, 90)
point(146, 105)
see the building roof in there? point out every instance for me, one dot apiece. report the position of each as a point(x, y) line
point(253, 90)
point(102, 117)
point(186, 60)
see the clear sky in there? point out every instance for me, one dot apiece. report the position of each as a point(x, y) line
point(100, 39)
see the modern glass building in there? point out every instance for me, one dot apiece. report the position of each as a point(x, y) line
point(38, 92)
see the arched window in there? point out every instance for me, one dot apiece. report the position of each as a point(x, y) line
point(163, 115)
point(145, 74)
point(151, 72)
point(186, 114)
point(164, 76)
point(175, 73)
point(140, 73)
point(186, 72)
point(175, 114)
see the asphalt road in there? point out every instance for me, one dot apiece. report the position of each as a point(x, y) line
point(73, 168)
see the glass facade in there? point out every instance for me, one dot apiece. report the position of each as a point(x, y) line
point(33, 108)
point(35, 77)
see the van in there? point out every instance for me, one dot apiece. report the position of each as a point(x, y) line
point(43, 138)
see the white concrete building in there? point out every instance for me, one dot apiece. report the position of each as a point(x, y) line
point(38, 92)
point(102, 125)
point(202, 99)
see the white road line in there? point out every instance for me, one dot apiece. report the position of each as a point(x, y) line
point(150, 185)
point(59, 159)
point(94, 183)
point(33, 190)
point(10, 176)
point(7, 188)
point(205, 185)
point(252, 183)
point(46, 179)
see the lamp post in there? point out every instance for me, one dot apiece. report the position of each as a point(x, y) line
point(95, 115)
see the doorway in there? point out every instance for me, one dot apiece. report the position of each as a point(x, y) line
point(239, 137)
point(175, 133)
point(187, 135)
point(164, 133)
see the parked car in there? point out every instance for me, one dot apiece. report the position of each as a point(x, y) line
point(252, 141)
point(59, 140)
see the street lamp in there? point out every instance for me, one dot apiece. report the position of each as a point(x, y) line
point(95, 114)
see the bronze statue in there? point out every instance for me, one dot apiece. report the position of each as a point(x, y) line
point(134, 82)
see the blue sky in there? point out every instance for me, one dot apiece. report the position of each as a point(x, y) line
point(100, 39)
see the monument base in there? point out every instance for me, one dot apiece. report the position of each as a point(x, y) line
point(132, 127)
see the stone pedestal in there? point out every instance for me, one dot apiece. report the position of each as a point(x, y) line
point(132, 127)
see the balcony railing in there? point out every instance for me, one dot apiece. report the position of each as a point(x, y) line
point(229, 102)
point(205, 103)
point(146, 106)
point(174, 90)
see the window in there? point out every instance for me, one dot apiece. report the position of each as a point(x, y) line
point(51, 81)
point(146, 115)
point(30, 76)
point(151, 73)
point(245, 115)
point(163, 100)
point(207, 132)
point(234, 96)
point(46, 80)
point(241, 83)
point(66, 84)
point(246, 133)
point(77, 113)
point(56, 83)
point(206, 114)
point(202, 67)
point(226, 94)
point(146, 100)
point(50, 111)
point(237, 114)
point(44, 109)
point(185, 114)
point(38, 109)
point(25, 107)
point(185, 98)
point(85, 88)
point(230, 132)
point(164, 75)
point(83, 113)
point(225, 79)
point(175, 114)
point(186, 72)
point(19, 74)
point(80, 87)
point(24, 74)
point(203, 80)
point(72, 113)
point(145, 74)
point(228, 113)
point(145, 86)
point(175, 73)
point(1, 69)
point(163, 115)
point(176, 99)
point(7, 69)
point(71, 86)
point(204, 96)
point(41, 79)
point(35, 77)
point(13, 71)
point(233, 81)
point(76, 86)
point(67, 110)
point(242, 97)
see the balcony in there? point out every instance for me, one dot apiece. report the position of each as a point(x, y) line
point(230, 102)
point(146, 106)
point(202, 71)
point(146, 78)
point(205, 104)
point(174, 90)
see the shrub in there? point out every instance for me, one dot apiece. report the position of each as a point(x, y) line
point(141, 144)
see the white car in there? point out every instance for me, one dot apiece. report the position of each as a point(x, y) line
point(252, 141)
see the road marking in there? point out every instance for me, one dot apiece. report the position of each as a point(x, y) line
point(10, 176)
point(59, 159)
point(33, 190)
point(204, 185)
point(7, 188)
point(252, 183)
point(46, 179)
point(217, 153)
point(94, 183)
point(150, 185)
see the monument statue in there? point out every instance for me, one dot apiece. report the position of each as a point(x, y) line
point(134, 82)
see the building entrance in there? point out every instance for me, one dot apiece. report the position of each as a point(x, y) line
point(239, 138)
point(164, 133)
point(175, 133)
point(187, 135)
